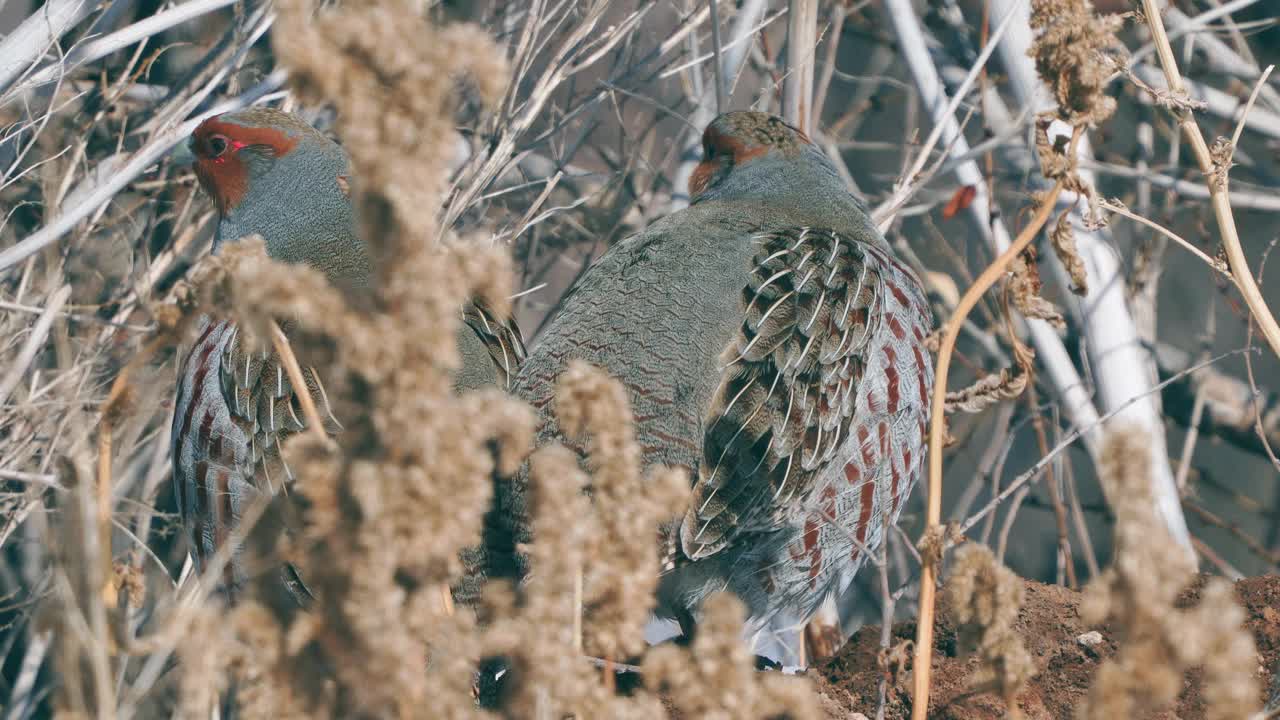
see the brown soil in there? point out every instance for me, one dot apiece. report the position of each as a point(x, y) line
point(1050, 625)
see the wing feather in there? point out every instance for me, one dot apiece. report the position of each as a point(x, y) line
point(786, 399)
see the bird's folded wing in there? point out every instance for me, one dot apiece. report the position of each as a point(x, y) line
point(263, 403)
point(785, 405)
point(501, 338)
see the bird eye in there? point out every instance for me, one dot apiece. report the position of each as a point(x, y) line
point(217, 145)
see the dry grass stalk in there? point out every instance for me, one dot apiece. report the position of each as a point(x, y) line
point(1137, 595)
point(1215, 171)
point(987, 391)
point(951, 331)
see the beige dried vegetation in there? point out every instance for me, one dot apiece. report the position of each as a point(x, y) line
point(1158, 641)
point(985, 597)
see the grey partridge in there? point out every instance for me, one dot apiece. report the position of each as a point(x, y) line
point(271, 174)
point(772, 344)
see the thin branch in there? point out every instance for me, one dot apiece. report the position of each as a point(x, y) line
point(138, 163)
point(1217, 180)
point(1119, 209)
point(951, 331)
point(22, 48)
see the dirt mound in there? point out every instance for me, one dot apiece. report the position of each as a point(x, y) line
point(1051, 627)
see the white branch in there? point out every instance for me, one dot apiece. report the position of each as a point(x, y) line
point(107, 44)
point(1124, 371)
point(797, 83)
point(1052, 353)
point(22, 48)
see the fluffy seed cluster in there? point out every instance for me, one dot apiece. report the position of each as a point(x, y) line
point(1073, 51)
point(714, 678)
point(619, 590)
point(986, 597)
point(1159, 642)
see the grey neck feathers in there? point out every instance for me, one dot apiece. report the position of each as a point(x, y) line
point(296, 204)
point(808, 186)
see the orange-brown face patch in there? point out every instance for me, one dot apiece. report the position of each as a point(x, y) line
point(735, 139)
point(701, 177)
point(740, 149)
point(219, 166)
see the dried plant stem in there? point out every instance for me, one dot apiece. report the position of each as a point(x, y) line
point(111, 408)
point(1052, 481)
point(35, 341)
point(1122, 210)
point(951, 331)
point(104, 514)
point(802, 43)
point(722, 102)
point(1217, 181)
point(291, 368)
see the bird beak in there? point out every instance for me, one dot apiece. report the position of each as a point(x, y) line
point(182, 154)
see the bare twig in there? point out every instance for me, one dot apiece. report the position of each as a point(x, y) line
point(35, 341)
point(1117, 208)
point(797, 83)
point(23, 47)
point(951, 331)
point(1216, 175)
point(315, 425)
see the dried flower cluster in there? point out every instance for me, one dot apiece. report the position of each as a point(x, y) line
point(1024, 290)
point(620, 584)
point(716, 679)
point(1159, 642)
point(1073, 54)
point(985, 597)
point(987, 391)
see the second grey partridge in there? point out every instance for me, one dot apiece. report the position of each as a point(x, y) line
point(770, 343)
point(273, 175)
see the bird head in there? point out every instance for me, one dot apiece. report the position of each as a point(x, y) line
point(759, 159)
point(271, 174)
point(735, 140)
